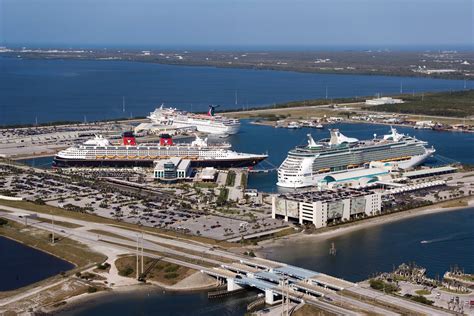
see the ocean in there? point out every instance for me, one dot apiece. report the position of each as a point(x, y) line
point(21, 265)
point(57, 90)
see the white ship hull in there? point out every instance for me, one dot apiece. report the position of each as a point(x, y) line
point(99, 152)
point(208, 124)
point(208, 127)
point(301, 181)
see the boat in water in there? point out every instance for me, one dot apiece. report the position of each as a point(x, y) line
point(99, 152)
point(307, 165)
point(293, 125)
point(209, 123)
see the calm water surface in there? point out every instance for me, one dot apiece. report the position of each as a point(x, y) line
point(448, 240)
point(154, 302)
point(52, 90)
point(21, 265)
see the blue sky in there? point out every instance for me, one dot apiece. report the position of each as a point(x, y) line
point(218, 23)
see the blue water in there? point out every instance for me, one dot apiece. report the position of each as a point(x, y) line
point(21, 265)
point(448, 240)
point(154, 302)
point(38, 162)
point(53, 90)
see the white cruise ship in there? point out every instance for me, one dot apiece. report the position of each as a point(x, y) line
point(99, 152)
point(210, 123)
point(307, 165)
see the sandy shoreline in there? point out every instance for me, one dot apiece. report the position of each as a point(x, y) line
point(87, 299)
point(370, 222)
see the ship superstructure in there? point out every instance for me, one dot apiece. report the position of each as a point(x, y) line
point(99, 152)
point(209, 123)
point(306, 165)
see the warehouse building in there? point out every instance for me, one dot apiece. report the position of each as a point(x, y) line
point(383, 100)
point(322, 208)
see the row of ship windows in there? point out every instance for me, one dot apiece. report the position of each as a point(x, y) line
point(148, 153)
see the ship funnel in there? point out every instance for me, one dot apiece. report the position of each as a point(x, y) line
point(338, 138)
point(166, 140)
point(212, 110)
point(128, 139)
point(394, 135)
point(311, 142)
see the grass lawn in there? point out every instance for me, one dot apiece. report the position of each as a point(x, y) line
point(422, 292)
point(451, 104)
point(163, 272)
point(107, 233)
point(59, 223)
point(310, 310)
point(46, 209)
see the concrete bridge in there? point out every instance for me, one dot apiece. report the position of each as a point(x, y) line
point(277, 280)
point(269, 278)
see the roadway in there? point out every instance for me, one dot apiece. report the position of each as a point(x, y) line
point(202, 256)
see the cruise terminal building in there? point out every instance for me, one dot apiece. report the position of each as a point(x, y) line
point(326, 207)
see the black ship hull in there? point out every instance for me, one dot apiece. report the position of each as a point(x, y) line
point(59, 162)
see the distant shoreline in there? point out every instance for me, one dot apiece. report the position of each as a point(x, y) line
point(341, 68)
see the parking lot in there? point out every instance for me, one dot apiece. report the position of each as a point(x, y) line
point(186, 210)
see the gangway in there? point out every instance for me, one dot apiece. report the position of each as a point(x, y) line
point(271, 168)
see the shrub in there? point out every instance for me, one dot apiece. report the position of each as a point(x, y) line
point(421, 299)
point(380, 285)
point(91, 289)
point(171, 268)
point(126, 271)
point(3, 221)
point(39, 201)
point(171, 275)
point(103, 266)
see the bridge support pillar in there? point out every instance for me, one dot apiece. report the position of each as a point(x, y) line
point(231, 285)
point(269, 298)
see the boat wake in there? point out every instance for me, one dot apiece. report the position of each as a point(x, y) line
point(453, 237)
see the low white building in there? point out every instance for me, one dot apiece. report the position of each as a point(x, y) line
point(383, 100)
point(172, 169)
point(424, 124)
point(324, 207)
point(208, 174)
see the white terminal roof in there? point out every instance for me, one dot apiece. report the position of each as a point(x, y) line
point(178, 162)
point(356, 174)
point(184, 164)
point(208, 173)
point(429, 171)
